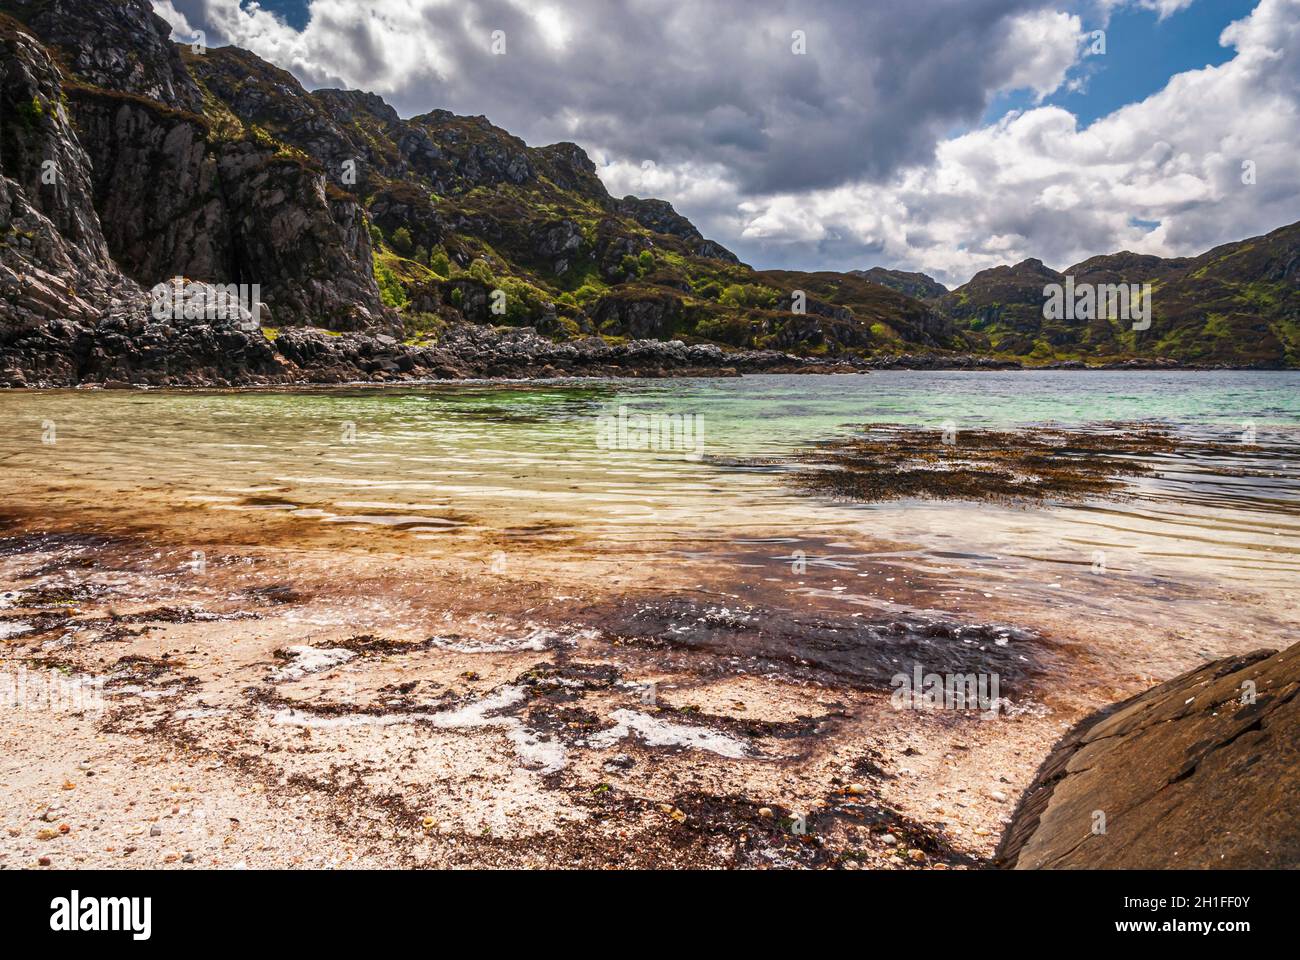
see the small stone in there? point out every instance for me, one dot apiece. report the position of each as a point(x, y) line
point(998, 795)
point(46, 834)
point(44, 861)
point(620, 762)
point(888, 838)
point(188, 858)
point(855, 789)
point(155, 831)
point(765, 812)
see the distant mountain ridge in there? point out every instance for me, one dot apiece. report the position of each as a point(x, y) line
point(1236, 304)
point(916, 285)
point(217, 166)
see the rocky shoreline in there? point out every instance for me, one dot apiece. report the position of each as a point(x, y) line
point(123, 351)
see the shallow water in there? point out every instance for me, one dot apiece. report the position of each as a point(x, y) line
point(434, 467)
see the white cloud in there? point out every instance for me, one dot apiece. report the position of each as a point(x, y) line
point(1041, 48)
point(682, 81)
point(1035, 184)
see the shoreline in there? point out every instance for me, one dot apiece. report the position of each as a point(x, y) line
point(70, 355)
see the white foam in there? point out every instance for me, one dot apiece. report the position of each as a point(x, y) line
point(309, 660)
point(545, 757)
point(655, 732)
point(538, 639)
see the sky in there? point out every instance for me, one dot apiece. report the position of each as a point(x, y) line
point(943, 136)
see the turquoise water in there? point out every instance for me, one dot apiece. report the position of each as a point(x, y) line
point(426, 468)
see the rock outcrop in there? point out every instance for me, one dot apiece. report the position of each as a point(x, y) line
point(1202, 771)
point(55, 263)
point(121, 351)
point(916, 285)
point(140, 186)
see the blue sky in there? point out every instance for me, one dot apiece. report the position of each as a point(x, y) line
point(1142, 52)
point(292, 12)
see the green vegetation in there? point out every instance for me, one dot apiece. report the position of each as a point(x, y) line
point(401, 241)
point(391, 289)
point(536, 224)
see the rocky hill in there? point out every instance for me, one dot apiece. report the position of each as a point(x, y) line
point(128, 160)
point(1237, 304)
point(916, 285)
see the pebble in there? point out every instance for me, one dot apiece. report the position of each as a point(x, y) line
point(997, 795)
point(765, 811)
point(155, 831)
point(888, 838)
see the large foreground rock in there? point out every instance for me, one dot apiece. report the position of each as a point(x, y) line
point(1201, 771)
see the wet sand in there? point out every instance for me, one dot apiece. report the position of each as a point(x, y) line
point(323, 703)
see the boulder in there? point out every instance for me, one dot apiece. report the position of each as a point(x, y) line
point(1202, 771)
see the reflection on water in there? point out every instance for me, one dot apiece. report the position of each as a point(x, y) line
point(453, 462)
